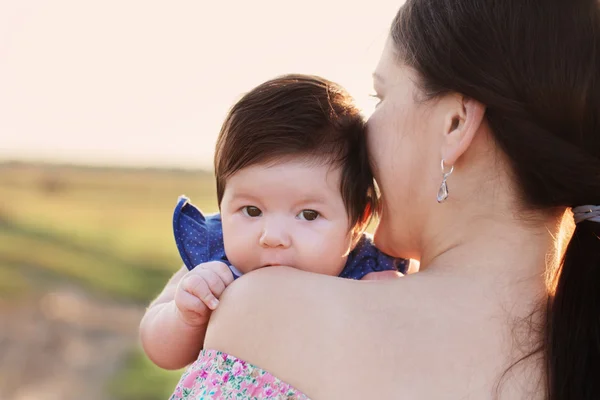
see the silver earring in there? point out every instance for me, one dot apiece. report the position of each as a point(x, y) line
point(443, 192)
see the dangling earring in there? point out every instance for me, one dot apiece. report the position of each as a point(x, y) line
point(443, 192)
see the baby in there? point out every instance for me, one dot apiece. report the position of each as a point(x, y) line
point(294, 188)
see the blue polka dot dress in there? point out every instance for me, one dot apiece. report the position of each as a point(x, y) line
point(199, 239)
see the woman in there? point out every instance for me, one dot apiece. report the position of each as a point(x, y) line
point(505, 96)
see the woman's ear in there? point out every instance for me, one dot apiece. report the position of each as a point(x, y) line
point(461, 125)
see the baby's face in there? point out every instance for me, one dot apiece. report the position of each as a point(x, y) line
point(290, 213)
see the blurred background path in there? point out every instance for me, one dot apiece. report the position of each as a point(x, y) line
point(82, 252)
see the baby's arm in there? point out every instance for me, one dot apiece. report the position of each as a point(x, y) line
point(173, 328)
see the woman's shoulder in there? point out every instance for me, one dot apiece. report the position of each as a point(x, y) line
point(281, 303)
point(265, 309)
point(264, 316)
point(299, 326)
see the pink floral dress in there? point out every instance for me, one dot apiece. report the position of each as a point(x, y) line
point(216, 375)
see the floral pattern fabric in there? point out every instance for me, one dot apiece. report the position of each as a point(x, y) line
point(216, 375)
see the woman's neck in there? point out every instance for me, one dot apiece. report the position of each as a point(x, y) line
point(502, 253)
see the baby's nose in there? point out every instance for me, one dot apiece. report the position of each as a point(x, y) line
point(274, 235)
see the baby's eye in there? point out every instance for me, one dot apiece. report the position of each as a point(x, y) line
point(251, 211)
point(308, 215)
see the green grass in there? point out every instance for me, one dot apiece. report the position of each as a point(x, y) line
point(12, 282)
point(107, 230)
point(142, 380)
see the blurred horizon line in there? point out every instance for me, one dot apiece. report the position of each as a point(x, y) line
point(100, 165)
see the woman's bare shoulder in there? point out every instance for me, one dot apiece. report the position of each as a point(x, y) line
point(270, 307)
point(281, 319)
point(300, 326)
point(270, 303)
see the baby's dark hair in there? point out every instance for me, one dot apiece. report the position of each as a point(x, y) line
point(300, 116)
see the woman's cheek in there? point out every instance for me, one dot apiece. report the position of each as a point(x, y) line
point(375, 141)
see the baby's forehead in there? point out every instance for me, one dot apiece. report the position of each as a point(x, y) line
point(295, 179)
point(303, 164)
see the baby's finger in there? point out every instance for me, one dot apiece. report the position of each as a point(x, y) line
point(220, 268)
point(224, 272)
point(215, 282)
point(187, 302)
point(197, 285)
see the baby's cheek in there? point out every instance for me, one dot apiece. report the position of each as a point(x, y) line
point(238, 255)
point(331, 253)
point(325, 260)
point(341, 263)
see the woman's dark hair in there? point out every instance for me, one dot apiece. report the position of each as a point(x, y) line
point(535, 65)
point(306, 117)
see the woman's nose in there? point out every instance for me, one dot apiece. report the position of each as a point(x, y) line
point(274, 235)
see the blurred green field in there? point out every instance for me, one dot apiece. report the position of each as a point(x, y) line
point(107, 230)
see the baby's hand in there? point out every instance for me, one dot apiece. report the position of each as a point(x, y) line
point(382, 276)
point(198, 292)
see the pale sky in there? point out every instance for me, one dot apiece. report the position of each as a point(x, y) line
point(145, 82)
